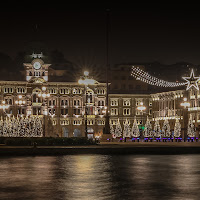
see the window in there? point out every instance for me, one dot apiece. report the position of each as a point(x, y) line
point(64, 102)
point(114, 102)
point(90, 122)
point(63, 111)
point(114, 111)
point(126, 111)
point(113, 122)
point(150, 102)
point(77, 122)
point(77, 111)
point(126, 102)
point(76, 102)
point(64, 122)
point(20, 90)
point(36, 111)
point(101, 103)
point(101, 91)
point(124, 122)
point(150, 111)
point(8, 90)
point(101, 122)
point(64, 91)
point(52, 91)
point(54, 122)
point(52, 111)
point(77, 91)
point(9, 101)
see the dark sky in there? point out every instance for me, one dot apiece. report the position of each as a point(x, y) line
point(138, 33)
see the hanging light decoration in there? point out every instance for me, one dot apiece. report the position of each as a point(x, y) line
point(147, 78)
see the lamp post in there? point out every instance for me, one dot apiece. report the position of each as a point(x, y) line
point(20, 102)
point(3, 107)
point(141, 108)
point(86, 80)
point(45, 95)
point(185, 106)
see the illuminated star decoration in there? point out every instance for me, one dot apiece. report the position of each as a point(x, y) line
point(192, 81)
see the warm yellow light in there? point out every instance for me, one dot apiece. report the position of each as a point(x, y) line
point(86, 73)
point(86, 81)
point(44, 88)
point(141, 107)
point(16, 102)
point(80, 81)
point(3, 102)
point(185, 103)
point(24, 102)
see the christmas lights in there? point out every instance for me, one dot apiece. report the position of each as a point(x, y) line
point(21, 127)
point(148, 129)
point(177, 128)
point(127, 130)
point(135, 129)
point(147, 78)
point(118, 130)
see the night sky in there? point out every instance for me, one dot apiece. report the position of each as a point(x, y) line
point(138, 33)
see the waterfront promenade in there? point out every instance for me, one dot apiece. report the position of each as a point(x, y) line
point(105, 148)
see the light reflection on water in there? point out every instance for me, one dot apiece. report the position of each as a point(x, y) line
point(90, 177)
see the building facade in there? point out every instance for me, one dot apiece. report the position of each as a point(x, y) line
point(65, 107)
point(62, 105)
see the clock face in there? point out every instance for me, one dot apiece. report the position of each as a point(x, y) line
point(36, 65)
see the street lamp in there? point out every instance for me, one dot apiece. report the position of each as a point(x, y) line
point(45, 95)
point(3, 107)
point(20, 102)
point(141, 108)
point(185, 104)
point(86, 80)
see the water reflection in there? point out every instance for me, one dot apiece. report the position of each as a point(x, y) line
point(100, 177)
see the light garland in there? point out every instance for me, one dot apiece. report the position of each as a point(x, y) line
point(147, 78)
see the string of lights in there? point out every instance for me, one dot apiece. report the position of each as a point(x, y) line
point(141, 75)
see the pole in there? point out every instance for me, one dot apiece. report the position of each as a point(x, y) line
point(107, 127)
point(86, 111)
point(185, 122)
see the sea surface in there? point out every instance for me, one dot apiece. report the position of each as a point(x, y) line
point(91, 177)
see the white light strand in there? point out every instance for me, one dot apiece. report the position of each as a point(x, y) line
point(147, 78)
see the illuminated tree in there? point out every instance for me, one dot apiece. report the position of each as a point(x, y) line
point(157, 129)
point(166, 129)
point(148, 128)
point(191, 128)
point(127, 129)
point(112, 131)
point(135, 129)
point(177, 128)
point(118, 129)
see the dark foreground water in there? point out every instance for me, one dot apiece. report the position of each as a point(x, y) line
point(100, 177)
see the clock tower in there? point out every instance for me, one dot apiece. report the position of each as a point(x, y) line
point(37, 70)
